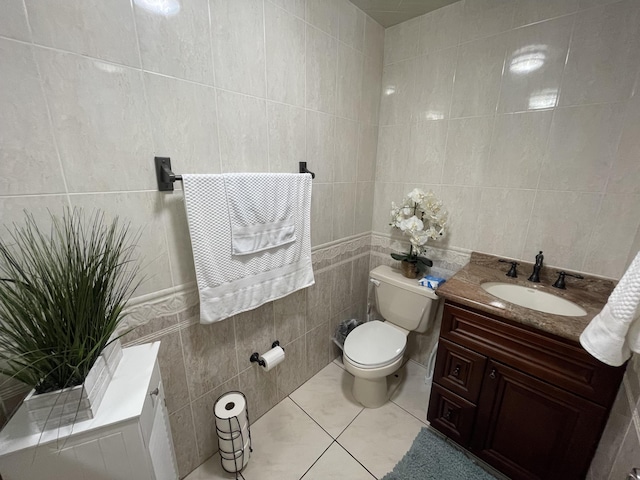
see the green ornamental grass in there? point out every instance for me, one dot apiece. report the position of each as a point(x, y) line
point(62, 296)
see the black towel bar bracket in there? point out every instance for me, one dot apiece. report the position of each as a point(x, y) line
point(303, 169)
point(165, 175)
point(166, 178)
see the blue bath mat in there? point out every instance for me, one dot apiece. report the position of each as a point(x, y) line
point(432, 458)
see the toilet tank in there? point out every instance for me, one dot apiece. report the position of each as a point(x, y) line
point(402, 301)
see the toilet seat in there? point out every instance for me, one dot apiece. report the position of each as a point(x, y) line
point(374, 344)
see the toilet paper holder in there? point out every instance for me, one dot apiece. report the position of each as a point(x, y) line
point(255, 356)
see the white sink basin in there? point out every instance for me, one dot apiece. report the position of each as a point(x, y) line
point(533, 299)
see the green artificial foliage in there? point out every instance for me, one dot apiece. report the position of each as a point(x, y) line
point(62, 296)
point(422, 263)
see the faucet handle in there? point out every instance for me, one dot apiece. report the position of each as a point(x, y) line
point(513, 271)
point(560, 281)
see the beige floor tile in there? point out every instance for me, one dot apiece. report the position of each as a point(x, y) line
point(379, 437)
point(413, 393)
point(210, 470)
point(286, 442)
point(337, 464)
point(327, 398)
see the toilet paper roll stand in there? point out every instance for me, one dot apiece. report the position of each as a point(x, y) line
point(236, 436)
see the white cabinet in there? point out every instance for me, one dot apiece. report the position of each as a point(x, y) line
point(128, 439)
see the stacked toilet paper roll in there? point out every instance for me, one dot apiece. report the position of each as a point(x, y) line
point(232, 427)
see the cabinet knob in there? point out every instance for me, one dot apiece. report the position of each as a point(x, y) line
point(492, 375)
point(447, 416)
point(153, 392)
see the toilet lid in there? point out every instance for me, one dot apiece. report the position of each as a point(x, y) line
point(374, 344)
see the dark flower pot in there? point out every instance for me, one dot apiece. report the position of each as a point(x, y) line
point(409, 269)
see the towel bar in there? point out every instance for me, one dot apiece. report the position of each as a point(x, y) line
point(166, 177)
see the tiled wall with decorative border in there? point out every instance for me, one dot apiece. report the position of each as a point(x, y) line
point(200, 362)
point(256, 86)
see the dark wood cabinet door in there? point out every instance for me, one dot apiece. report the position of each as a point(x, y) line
point(529, 429)
point(451, 414)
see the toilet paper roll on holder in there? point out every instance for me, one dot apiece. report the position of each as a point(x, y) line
point(255, 356)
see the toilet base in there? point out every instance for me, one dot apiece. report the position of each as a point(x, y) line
point(370, 393)
point(370, 387)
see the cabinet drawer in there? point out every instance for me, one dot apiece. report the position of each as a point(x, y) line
point(451, 414)
point(459, 370)
point(561, 363)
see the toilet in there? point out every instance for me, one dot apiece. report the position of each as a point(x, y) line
point(375, 349)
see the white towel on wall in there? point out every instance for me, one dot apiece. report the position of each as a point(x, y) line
point(615, 332)
point(229, 283)
point(260, 210)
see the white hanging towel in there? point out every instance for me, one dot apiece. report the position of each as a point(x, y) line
point(251, 239)
point(615, 332)
point(261, 210)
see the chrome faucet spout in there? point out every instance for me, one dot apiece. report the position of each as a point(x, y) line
point(535, 275)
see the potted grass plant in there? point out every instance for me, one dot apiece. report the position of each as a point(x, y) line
point(62, 296)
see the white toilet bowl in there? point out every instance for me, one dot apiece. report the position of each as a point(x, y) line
point(372, 352)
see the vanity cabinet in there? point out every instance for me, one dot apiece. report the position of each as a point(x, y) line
point(530, 404)
point(128, 438)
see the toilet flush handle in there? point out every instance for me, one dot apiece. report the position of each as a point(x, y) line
point(375, 282)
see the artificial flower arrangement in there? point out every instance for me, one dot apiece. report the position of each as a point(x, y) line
point(422, 218)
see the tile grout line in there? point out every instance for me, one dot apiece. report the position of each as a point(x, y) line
point(45, 98)
point(359, 462)
point(334, 440)
point(215, 93)
point(305, 412)
point(318, 459)
point(548, 141)
point(424, 422)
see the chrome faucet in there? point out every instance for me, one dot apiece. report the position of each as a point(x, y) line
point(535, 275)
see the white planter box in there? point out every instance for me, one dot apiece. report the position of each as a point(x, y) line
point(64, 407)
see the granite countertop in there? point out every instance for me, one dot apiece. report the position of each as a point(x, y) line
point(464, 288)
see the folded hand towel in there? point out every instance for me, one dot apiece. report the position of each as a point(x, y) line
point(228, 283)
point(615, 332)
point(260, 210)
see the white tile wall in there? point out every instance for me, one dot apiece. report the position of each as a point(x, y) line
point(97, 29)
point(25, 126)
point(237, 35)
point(13, 22)
point(525, 117)
point(99, 120)
point(178, 44)
point(285, 41)
point(91, 91)
point(322, 63)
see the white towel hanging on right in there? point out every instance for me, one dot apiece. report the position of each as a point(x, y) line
point(614, 333)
